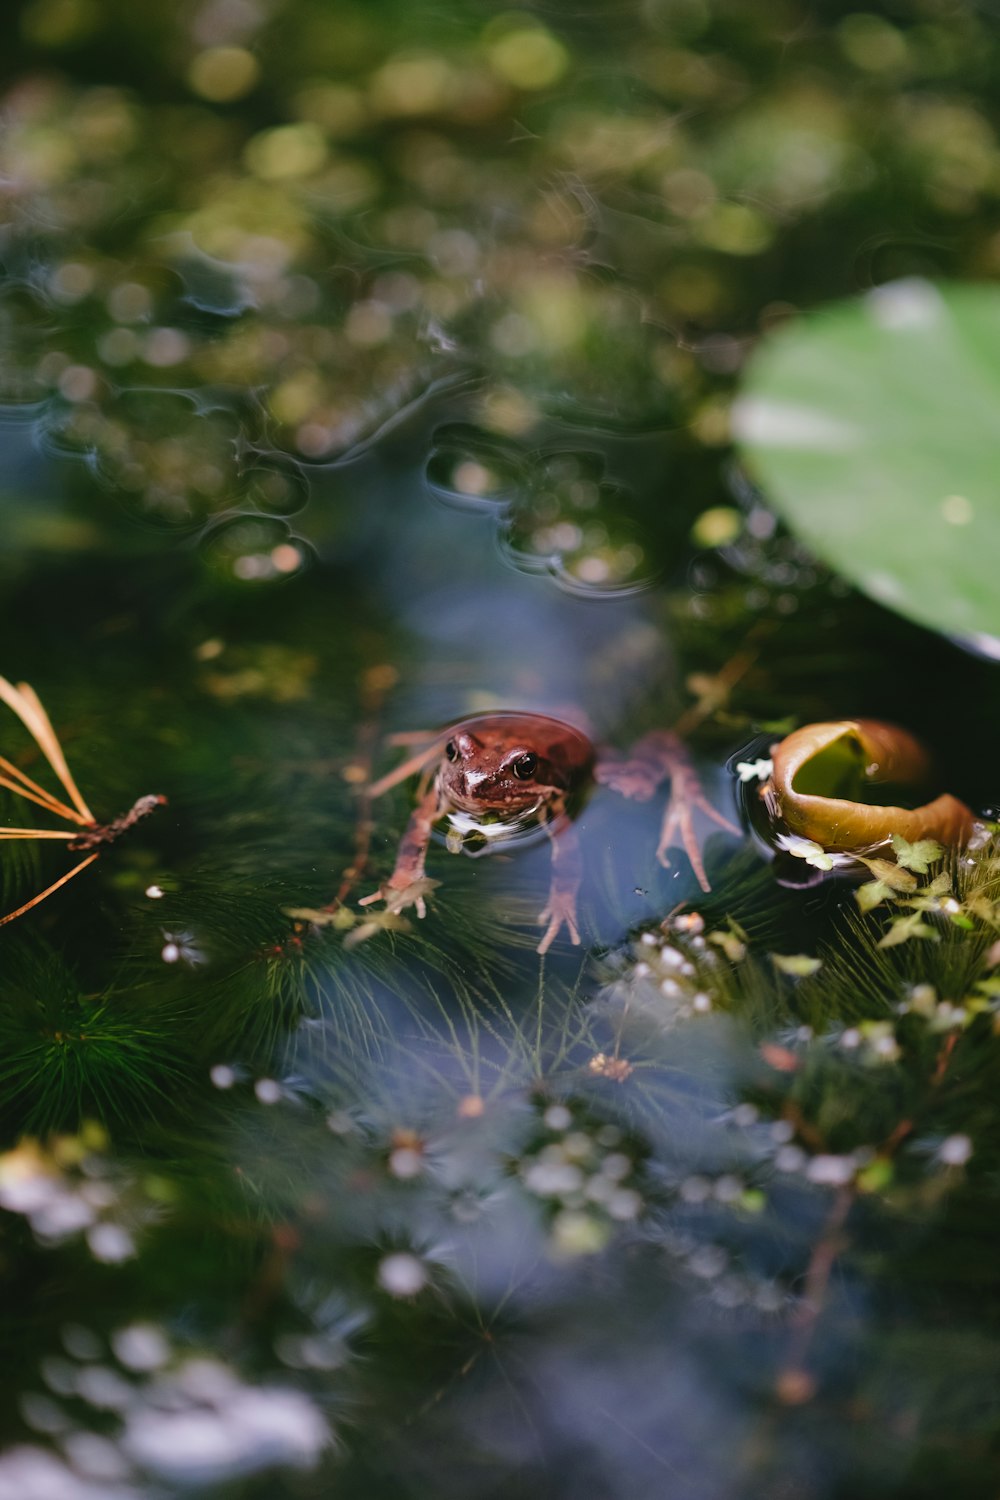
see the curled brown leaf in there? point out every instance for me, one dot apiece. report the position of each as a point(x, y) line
point(822, 772)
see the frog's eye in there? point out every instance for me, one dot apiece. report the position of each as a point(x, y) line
point(451, 750)
point(525, 766)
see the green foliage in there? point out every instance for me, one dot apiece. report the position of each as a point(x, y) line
point(67, 1056)
point(796, 965)
point(918, 856)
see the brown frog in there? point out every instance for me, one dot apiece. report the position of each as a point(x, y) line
point(513, 770)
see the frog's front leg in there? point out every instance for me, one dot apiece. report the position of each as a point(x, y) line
point(566, 878)
point(407, 885)
point(658, 757)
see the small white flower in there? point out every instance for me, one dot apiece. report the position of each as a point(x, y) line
point(831, 1171)
point(401, 1274)
point(754, 770)
point(181, 946)
point(110, 1242)
point(886, 1048)
point(955, 1151)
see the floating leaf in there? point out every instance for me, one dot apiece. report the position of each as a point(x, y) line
point(987, 911)
point(798, 965)
point(918, 856)
point(876, 1176)
point(871, 425)
point(880, 1042)
point(379, 921)
point(904, 928)
point(324, 916)
point(891, 875)
point(814, 854)
point(732, 941)
point(869, 895)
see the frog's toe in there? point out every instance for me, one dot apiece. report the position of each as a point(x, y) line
point(558, 914)
point(398, 898)
point(551, 933)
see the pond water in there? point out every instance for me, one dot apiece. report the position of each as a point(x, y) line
point(365, 368)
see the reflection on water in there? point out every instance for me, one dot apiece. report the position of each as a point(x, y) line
point(556, 509)
point(363, 370)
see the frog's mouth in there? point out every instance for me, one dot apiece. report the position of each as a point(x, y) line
point(503, 804)
point(494, 824)
point(477, 833)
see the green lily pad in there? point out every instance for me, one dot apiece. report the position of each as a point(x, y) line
point(873, 426)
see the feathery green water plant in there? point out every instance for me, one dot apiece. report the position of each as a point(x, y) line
point(66, 1056)
point(880, 1109)
point(847, 1077)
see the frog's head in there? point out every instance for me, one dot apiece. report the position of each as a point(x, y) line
point(491, 765)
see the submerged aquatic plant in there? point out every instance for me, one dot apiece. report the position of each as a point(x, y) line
point(757, 1130)
point(69, 1055)
point(87, 833)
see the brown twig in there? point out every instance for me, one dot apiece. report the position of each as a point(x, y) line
point(795, 1384)
point(87, 834)
point(718, 688)
point(375, 684)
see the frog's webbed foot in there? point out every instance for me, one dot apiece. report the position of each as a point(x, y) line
point(560, 912)
point(398, 897)
point(687, 797)
point(634, 778)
